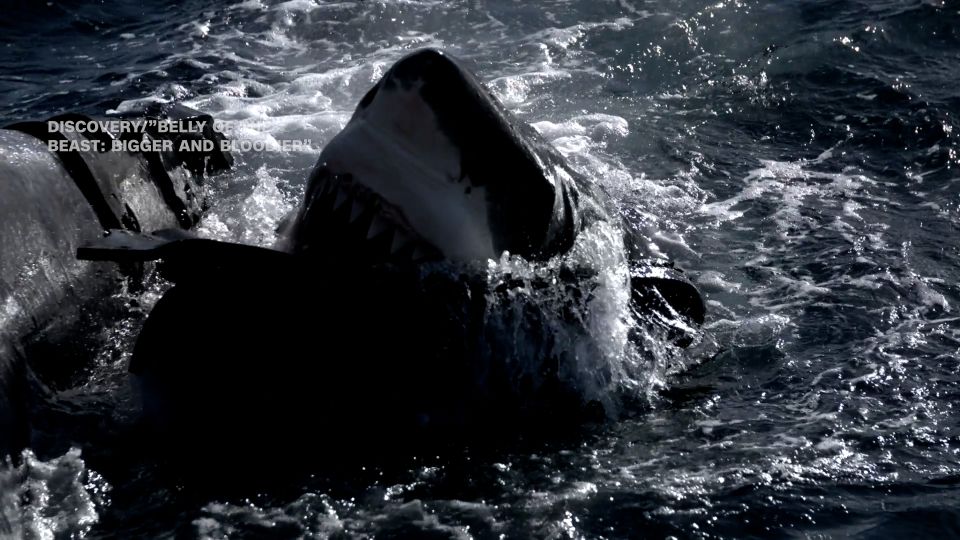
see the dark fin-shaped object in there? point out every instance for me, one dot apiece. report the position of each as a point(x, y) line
point(666, 291)
point(183, 254)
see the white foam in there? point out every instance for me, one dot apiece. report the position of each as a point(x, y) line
point(251, 218)
point(799, 192)
point(51, 499)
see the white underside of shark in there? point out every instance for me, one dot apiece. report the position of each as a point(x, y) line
point(396, 148)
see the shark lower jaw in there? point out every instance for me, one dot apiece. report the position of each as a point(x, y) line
point(348, 221)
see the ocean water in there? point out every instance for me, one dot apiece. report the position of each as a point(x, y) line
point(797, 158)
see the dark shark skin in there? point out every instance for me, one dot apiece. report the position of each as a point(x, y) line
point(51, 304)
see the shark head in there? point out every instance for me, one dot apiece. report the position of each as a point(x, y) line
point(432, 166)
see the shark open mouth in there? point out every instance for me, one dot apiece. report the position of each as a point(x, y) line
point(347, 222)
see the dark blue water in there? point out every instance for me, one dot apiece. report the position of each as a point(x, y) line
point(797, 158)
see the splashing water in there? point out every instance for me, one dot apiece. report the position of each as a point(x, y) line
point(44, 500)
point(798, 159)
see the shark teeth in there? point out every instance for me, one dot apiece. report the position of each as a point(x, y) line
point(341, 198)
point(400, 240)
point(356, 211)
point(350, 220)
point(418, 254)
point(323, 189)
point(377, 227)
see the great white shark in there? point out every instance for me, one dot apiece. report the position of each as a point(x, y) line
point(367, 303)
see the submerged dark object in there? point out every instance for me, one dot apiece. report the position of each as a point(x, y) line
point(662, 295)
point(352, 326)
point(50, 201)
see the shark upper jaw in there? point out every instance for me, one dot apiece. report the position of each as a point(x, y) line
point(395, 146)
point(398, 171)
point(345, 220)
